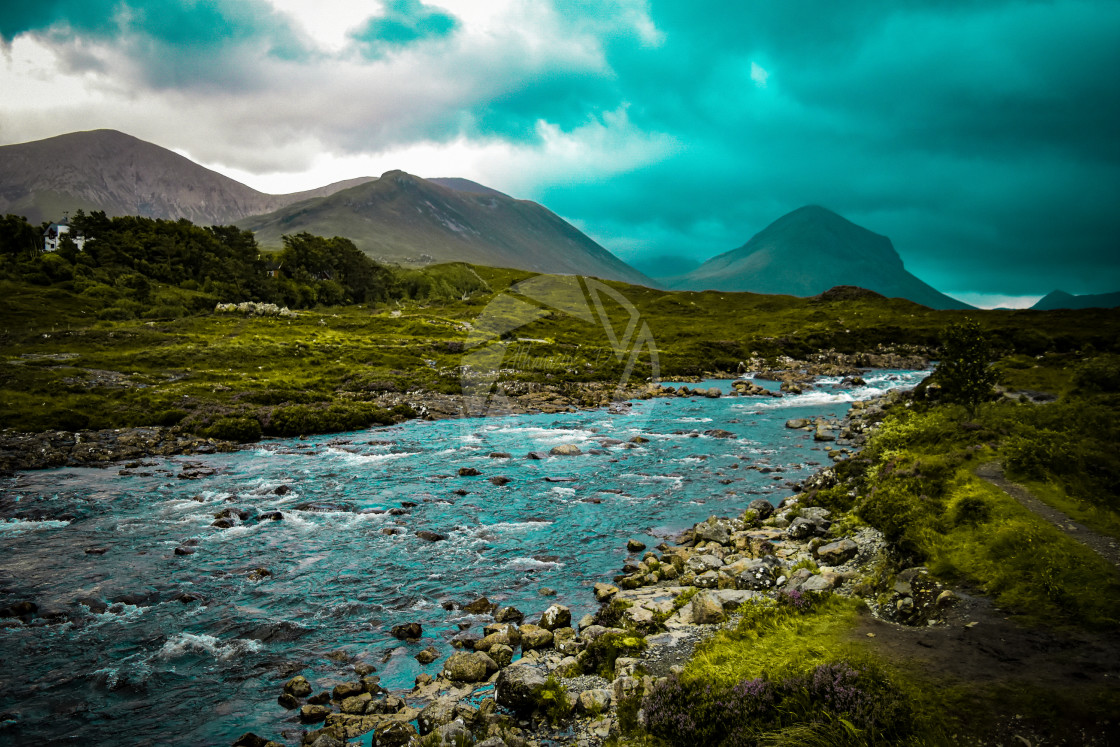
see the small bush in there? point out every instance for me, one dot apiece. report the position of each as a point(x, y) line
point(238, 429)
point(552, 701)
point(604, 650)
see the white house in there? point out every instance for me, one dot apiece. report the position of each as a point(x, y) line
point(56, 231)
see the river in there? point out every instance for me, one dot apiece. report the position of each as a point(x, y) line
point(317, 591)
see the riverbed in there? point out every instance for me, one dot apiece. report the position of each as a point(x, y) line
point(136, 644)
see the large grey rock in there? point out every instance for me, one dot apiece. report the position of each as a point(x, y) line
point(707, 610)
point(702, 563)
point(298, 686)
point(837, 553)
point(437, 713)
point(518, 686)
point(762, 508)
point(556, 616)
point(713, 530)
point(758, 575)
point(804, 527)
point(565, 450)
point(594, 701)
point(468, 667)
point(534, 636)
point(393, 734)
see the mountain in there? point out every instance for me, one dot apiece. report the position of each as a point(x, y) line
point(1062, 300)
point(123, 175)
point(808, 251)
point(403, 218)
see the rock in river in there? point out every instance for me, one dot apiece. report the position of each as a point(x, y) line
point(407, 631)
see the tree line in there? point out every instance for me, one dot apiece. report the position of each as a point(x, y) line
point(127, 261)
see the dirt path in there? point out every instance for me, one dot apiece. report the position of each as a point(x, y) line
point(1107, 547)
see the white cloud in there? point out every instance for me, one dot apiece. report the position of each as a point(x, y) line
point(759, 74)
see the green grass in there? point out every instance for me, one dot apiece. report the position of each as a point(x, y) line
point(1094, 517)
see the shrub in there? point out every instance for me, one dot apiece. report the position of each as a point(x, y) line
point(604, 650)
point(552, 701)
point(239, 429)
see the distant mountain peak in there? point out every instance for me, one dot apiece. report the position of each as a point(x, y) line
point(807, 252)
point(1059, 299)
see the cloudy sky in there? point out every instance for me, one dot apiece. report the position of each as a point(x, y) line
point(981, 136)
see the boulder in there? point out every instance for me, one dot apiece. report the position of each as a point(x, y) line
point(468, 667)
point(537, 455)
point(428, 655)
point(270, 516)
point(556, 616)
point(346, 690)
point(797, 423)
point(707, 610)
point(533, 637)
point(480, 606)
point(355, 704)
point(500, 480)
point(431, 536)
point(823, 434)
point(298, 686)
point(756, 575)
point(713, 530)
point(594, 701)
point(719, 433)
point(565, 450)
point(804, 527)
point(762, 508)
point(634, 545)
point(288, 701)
point(407, 631)
point(517, 688)
point(501, 654)
point(837, 553)
point(437, 713)
point(393, 734)
point(313, 714)
point(509, 614)
point(604, 592)
point(499, 455)
point(713, 393)
point(468, 472)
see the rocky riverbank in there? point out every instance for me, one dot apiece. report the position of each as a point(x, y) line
point(577, 682)
point(28, 451)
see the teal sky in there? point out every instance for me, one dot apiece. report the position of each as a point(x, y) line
point(981, 137)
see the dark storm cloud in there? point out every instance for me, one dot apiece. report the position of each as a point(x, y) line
point(402, 23)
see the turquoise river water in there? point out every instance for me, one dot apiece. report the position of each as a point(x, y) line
point(151, 669)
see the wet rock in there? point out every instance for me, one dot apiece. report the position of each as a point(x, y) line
point(534, 637)
point(545, 591)
point(501, 654)
point(96, 606)
point(509, 614)
point(393, 734)
point(837, 553)
point(480, 606)
point(363, 668)
point(270, 516)
point(346, 690)
point(428, 655)
point(634, 545)
point(762, 508)
point(556, 616)
point(321, 699)
point(282, 490)
point(313, 714)
point(431, 536)
point(537, 455)
point(719, 433)
point(355, 704)
point(407, 631)
point(797, 423)
point(713, 530)
point(804, 527)
point(289, 701)
point(517, 688)
point(249, 739)
point(500, 480)
point(439, 712)
point(468, 472)
point(96, 550)
point(185, 550)
point(259, 574)
point(323, 507)
point(499, 455)
point(823, 434)
point(469, 667)
point(604, 592)
point(565, 450)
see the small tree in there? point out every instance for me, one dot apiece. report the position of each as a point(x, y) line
point(963, 372)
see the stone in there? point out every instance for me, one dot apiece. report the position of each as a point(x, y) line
point(321, 699)
point(249, 739)
point(431, 536)
point(467, 667)
point(604, 592)
point(534, 637)
point(719, 433)
point(803, 527)
point(947, 598)
point(298, 686)
point(500, 480)
point(702, 563)
point(837, 553)
point(823, 434)
point(355, 704)
point(346, 690)
point(313, 714)
point(517, 688)
point(762, 508)
point(428, 655)
point(288, 701)
point(270, 516)
point(713, 393)
point(509, 614)
point(707, 580)
point(707, 610)
point(363, 669)
point(437, 713)
point(480, 606)
point(594, 701)
point(393, 734)
point(713, 530)
point(537, 455)
point(565, 450)
point(556, 616)
point(797, 423)
point(407, 631)
point(501, 654)
point(499, 455)
point(818, 583)
point(634, 545)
